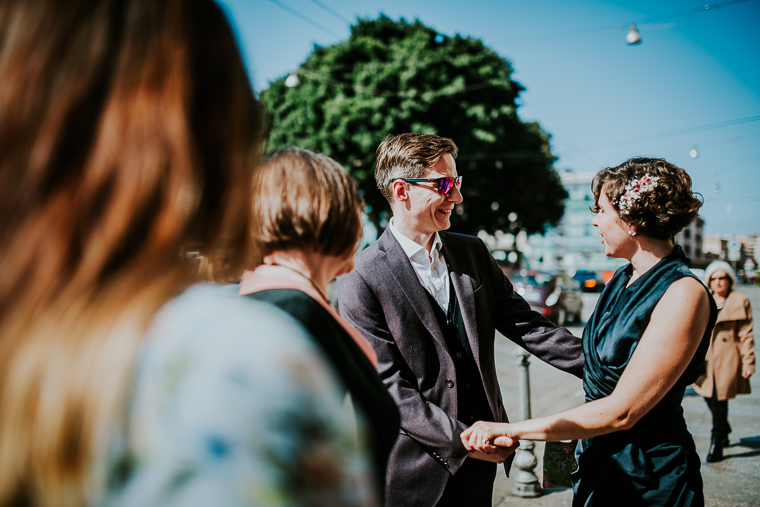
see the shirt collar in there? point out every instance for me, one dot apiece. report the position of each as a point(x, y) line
point(411, 247)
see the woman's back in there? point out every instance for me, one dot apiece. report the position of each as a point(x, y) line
point(129, 133)
point(232, 405)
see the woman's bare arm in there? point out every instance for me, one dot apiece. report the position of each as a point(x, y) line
point(667, 346)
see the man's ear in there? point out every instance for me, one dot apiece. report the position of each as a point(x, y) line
point(400, 191)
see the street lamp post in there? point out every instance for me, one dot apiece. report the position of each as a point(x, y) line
point(525, 480)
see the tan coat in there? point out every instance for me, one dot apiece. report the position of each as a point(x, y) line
point(732, 348)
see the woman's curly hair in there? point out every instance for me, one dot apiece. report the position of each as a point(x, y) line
point(659, 213)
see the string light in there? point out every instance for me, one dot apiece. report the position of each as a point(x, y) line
point(633, 36)
point(611, 27)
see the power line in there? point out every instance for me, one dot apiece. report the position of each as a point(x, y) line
point(737, 165)
point(671, 133)
point(332, 11)
point(306, 18)
point(558, 35)
point(619, 26)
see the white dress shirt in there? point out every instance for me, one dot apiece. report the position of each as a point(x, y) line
point(430, 266)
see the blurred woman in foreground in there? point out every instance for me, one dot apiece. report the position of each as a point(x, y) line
point(307, 226)
point(731, 356)
point(128, 133)
point(644, 344)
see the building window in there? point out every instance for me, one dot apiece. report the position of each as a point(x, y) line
point(687, 233)
point(687, 250)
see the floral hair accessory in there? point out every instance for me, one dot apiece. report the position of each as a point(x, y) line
point(634, 190)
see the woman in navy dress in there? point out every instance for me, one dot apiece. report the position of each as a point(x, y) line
point(644, 344)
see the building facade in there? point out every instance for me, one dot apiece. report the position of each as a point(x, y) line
point(575, 244)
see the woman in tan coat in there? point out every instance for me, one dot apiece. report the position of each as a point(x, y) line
point(730, 359)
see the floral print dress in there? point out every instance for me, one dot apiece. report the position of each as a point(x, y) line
point(233, 406)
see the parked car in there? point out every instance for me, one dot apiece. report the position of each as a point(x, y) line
point(590, 281)
point(554, 295)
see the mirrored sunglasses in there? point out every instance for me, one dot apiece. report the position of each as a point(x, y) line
point(442, 185)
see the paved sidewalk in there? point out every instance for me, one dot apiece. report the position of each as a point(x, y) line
point(733, 482)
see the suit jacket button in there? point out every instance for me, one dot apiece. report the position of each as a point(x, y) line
point(449, 384)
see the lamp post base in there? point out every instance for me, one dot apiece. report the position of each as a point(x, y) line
point(525, 480)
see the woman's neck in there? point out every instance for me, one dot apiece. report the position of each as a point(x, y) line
point(720, 297)
point(648, 252)
point(314, 267)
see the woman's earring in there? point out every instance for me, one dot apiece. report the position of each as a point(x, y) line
point(631, 232)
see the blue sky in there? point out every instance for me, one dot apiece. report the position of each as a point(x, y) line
point(693, 83)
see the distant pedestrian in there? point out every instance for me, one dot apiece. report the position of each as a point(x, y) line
point(731, 356)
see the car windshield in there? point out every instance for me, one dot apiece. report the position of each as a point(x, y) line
point(534, 280)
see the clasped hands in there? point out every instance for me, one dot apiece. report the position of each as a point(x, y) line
point(489, 441)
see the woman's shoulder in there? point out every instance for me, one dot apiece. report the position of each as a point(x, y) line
point(209, 331)
point(737, 297)
point(686, 289)
point(737, 307)
point(233, 394)
point(204, 311)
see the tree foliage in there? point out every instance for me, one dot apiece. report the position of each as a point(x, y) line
point(392, 77)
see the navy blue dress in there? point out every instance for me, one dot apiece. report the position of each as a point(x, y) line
point(655, 462)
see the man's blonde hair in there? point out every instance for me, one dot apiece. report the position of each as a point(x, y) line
point(408, 156)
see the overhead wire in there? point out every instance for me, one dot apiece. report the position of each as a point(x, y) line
point(315, 75)
point(619, 26)
point(332, 11)
point(476, 86)
point(671, 133)
point(306, 18)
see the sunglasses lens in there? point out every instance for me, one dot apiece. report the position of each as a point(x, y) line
point(445, 185)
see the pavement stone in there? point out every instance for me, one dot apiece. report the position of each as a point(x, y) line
point(733, 482)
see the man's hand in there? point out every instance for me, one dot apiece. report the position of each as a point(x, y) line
point(486, 436)
point(498, 456)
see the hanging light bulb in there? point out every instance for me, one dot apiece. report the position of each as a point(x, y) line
point(292, 80)
point(633, 36)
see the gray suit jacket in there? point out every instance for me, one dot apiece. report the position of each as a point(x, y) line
point(384, 299)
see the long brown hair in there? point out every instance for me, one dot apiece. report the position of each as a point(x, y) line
point(128, 133)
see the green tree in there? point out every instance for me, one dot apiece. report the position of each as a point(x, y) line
point(392, 77)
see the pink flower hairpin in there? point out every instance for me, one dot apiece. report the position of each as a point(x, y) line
point(634, 190)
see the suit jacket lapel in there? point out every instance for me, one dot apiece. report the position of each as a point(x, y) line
point(402, 272)
point(462, 283)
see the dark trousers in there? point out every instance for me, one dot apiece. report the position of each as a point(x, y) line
point(471, 486)
point(719, 409)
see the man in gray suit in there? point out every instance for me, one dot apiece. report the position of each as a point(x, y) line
point(430, 302)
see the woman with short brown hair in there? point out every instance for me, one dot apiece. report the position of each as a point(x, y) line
point(643, 345)
point(307, 226)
